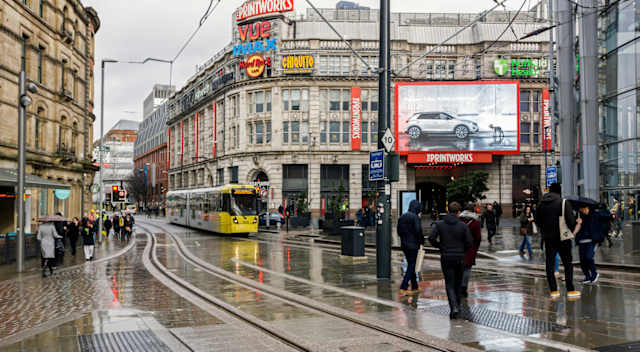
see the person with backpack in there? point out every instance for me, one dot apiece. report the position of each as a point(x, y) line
point(454, 239)
point(411, 238)
point(548, 217)
point(591, 233)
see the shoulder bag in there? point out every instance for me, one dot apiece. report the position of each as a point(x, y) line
point(565, 232)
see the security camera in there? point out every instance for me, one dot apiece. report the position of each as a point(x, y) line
point(25, 101)
point(32, 87)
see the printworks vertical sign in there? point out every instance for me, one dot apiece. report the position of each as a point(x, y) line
point(356, 118)
point(546, 121)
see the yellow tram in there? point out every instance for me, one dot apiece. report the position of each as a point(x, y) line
point(228, 209)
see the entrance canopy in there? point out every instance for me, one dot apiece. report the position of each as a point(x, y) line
point(9, 177)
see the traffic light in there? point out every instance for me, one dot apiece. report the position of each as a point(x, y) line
point(115, 194)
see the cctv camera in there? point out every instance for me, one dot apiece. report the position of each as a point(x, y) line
point(25, 101)
point(32, 87)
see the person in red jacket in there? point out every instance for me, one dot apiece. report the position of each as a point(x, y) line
point(471, 218)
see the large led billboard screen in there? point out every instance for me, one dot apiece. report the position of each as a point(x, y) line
point(456, 117)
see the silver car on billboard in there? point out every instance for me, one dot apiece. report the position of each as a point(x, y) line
point(439, 122)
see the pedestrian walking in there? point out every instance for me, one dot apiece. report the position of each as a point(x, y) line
point(469, 217)
point(47, 236)
point(498, 209)
point(61, 229)
point(548, 217)
point(453, 238)
point(591, 233)
point(128, 226)
point(411, 238)
point(88, 240)
point(526, 230)
point(489, 218)
point(360, 217)
point(73, 232)
point(107, 226)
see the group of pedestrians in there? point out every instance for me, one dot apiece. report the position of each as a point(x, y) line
point(56, 231)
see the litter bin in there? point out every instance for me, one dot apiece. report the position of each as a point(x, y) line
point(632, 242)
point(352, 241)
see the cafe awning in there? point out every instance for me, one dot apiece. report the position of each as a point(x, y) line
point(9, 177)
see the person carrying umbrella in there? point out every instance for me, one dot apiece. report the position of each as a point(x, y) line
point(590, 232)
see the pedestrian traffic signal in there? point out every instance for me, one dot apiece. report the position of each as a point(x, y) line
point(115, 194)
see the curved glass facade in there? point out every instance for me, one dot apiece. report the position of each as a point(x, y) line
point(620, 107)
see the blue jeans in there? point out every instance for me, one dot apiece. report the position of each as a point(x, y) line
point(410, 274)
point(557, 266)
point(526, 242)
point(587, 251)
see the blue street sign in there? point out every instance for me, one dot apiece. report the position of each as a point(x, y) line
point(376, 165)
point(552, 175)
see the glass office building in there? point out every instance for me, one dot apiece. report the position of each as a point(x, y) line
point(620, 104)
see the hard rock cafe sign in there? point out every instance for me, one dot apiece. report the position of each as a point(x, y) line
point(255, 65)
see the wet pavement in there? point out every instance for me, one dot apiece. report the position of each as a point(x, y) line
point(509, 307)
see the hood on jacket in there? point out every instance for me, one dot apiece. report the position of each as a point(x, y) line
point(415, 207)
point(450, 219)
point(469, 215)
point(550, 197)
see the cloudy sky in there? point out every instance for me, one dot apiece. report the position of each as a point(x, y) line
point(136, 29)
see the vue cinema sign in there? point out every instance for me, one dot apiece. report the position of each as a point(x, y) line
point(251, 32)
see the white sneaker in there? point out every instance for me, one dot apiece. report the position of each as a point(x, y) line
point(573, 294)
point(595, 279)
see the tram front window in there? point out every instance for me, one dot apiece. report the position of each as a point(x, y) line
point(243, 205)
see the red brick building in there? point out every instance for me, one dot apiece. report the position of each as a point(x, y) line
point(150, 154)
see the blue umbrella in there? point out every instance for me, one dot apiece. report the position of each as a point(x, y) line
point(579, 201)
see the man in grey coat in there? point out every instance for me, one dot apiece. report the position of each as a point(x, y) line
point(47, 235)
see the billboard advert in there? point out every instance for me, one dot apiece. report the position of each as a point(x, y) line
point(474, 119)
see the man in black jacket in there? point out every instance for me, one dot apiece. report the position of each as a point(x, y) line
point(411, 238)
point(453, 238)
point(547, 218)
point(491, 220)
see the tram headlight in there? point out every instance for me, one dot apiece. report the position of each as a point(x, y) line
point(235, 220)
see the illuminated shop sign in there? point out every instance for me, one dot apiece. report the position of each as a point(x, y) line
point(298, 64)
point(449, 158)
point(254, 31)
point(356, 118)
point(255, 65)
point(524, 68)
point(255, 8)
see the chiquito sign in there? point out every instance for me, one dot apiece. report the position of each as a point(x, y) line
point(257, 8)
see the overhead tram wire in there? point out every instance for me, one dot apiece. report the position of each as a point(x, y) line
point(204, 18)
point(504, 31)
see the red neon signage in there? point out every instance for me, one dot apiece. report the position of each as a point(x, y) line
point(546, 121)
point(255, 8)
point(254, 31)
point(356, 118)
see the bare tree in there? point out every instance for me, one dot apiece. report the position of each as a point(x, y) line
point(138, 187)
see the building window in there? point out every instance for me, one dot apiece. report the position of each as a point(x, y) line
point(23, 58)
point(44, 201)
point(323, 131)
point(233, 174)
point(374, 133)
point(525, 104)
point(346, 131)
point(334, 65)
point(364, 133)
point(536, 133)
point(294, 183)
point(259, 132)
point(295, 132)
point(250, 133)
point(220, 176)
point(268, 132)
point(40, 64)
point(285, 132)
point(369, 99)
point(334, 132)
point(304, 130)
point(41, 8)
point(260, 101)
point(295, 99)
point(525, 130)
point(536, 101)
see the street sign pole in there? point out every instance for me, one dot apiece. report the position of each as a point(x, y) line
point(383, 221)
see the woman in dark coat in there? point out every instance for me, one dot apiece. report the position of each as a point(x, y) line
point(526, 229)
point(73, 232)
point(471, 218)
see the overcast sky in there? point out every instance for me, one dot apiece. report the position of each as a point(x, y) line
point(136, 29)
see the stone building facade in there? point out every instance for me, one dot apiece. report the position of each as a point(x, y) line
point(289, 129)
point(53, 41)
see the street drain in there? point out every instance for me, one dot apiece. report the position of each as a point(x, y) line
point(499, 320)
point(143, 340)
point(624, 347)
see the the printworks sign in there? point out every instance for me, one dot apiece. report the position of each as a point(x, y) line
point(255, 65)
point(257, 8)
point(298, 64)
point(255, 38)
point(524, 68)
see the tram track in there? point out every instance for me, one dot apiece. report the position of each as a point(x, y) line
point(414, 338)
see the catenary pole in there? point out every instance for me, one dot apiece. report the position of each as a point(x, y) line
point(588, 37)
point(383, 230)
point(566, 96)
point(552, 86)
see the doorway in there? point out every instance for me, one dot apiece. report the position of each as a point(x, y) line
point(433, 197)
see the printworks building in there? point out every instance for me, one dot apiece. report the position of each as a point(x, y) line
point(287, 106)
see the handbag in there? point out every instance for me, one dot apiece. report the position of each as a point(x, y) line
point(419, 260)
point(523, 231)
point(535, 228)
point(565, 233)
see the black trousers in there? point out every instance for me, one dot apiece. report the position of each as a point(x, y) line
point(73, 241)
point(453, 270)
point(491, 231)
point(410, 274)
point(564, 249)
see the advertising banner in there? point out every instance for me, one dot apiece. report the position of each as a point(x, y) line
point(456, 118)
point(546, 121)
point(356, 118)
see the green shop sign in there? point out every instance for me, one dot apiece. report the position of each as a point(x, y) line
point(523, 68)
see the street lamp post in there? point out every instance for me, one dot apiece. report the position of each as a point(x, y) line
point(101, 199)
point(23, 102)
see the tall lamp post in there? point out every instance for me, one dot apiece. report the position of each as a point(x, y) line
point(23, 102)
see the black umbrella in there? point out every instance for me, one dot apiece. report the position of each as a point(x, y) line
point(579, 201)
